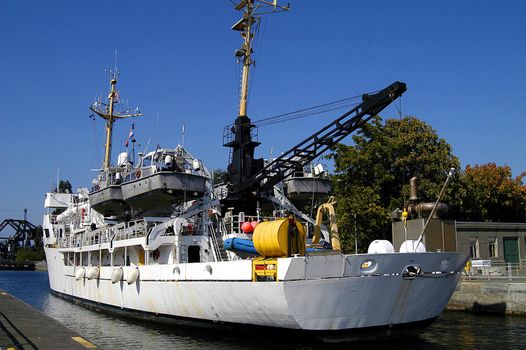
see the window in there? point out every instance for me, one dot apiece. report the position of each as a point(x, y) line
point(194, 254)
point(493, 248)
point(474, 247)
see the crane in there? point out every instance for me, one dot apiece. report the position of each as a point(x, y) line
point(315, 145)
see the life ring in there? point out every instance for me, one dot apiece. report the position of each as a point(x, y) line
point(138, 173)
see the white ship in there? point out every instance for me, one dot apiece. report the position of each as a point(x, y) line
point(173, 267)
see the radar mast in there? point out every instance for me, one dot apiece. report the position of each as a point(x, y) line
point(241, 136)
point(108, 112)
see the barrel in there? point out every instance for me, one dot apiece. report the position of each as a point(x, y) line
point(278, 238)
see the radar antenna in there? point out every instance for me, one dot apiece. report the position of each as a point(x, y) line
point(108, 112)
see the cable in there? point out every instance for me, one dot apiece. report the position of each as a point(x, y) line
point(308, 108)
point(306, 115)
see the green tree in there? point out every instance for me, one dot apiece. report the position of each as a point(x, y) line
point(34, 253)
point(29, 254)
point(492, 194)
point(64, 186)
point(371, 177)
point(218, 175)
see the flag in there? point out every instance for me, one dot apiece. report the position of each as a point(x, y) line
point(130, 137)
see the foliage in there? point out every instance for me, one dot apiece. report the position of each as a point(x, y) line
point(34, 253)
point(64, 187)
point(218, 175)
point(30, 254)
point(372, 176)
point(491, 194)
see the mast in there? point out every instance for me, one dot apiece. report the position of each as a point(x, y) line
point(246, 53)
point(250, 8)
point(242, 136)
point(110, 115)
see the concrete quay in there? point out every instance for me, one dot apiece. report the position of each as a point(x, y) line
point(490, 296)
point(23, 327)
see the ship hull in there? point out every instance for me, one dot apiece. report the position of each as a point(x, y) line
point(327, 336)
point(327, 297)
point(155, 194)
point(302, 189)
point(108, 201)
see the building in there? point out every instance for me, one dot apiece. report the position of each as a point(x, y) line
point(499, 242)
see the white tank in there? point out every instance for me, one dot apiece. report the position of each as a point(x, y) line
point(380, 246)
point(410, 246)
point(122, 159)
point(168, 160)
point(196, 164)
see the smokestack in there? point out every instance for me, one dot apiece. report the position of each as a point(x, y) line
point(412, 191)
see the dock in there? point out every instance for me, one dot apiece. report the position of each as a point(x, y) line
point(24, 327)
point(495, 295)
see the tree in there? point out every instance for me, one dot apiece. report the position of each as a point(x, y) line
point(34, 253)
point(64, 187)
point(218, 176)
point(372, 176)
point(491, 194)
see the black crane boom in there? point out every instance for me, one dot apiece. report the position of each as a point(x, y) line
point(319, 142)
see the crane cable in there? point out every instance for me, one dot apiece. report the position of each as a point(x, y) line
point(309, 111)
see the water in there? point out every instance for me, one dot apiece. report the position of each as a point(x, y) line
point(453, 330)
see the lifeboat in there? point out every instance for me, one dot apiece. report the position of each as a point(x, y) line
point(165, 177)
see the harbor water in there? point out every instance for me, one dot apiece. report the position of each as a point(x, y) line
point(453, 330)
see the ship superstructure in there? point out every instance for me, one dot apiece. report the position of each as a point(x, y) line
point(240, 253)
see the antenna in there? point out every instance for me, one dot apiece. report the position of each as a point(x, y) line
point(108, 112)
point(182, 136)
point(115, 63)
point(252, 11)
point(157, 128)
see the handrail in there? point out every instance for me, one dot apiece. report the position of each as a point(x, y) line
point(496, 271)
point(215, 246)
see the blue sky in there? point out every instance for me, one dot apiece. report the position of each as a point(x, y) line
point(464, 63)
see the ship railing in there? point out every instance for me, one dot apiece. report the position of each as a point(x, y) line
point(130, 230)
point(215, 245)
point(232, 223)
point(490, 270)
point(98, 236)
point(66, 242)
point(222, 229)
point(106, 234)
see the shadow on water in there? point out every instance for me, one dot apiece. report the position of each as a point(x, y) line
point(453, 330)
